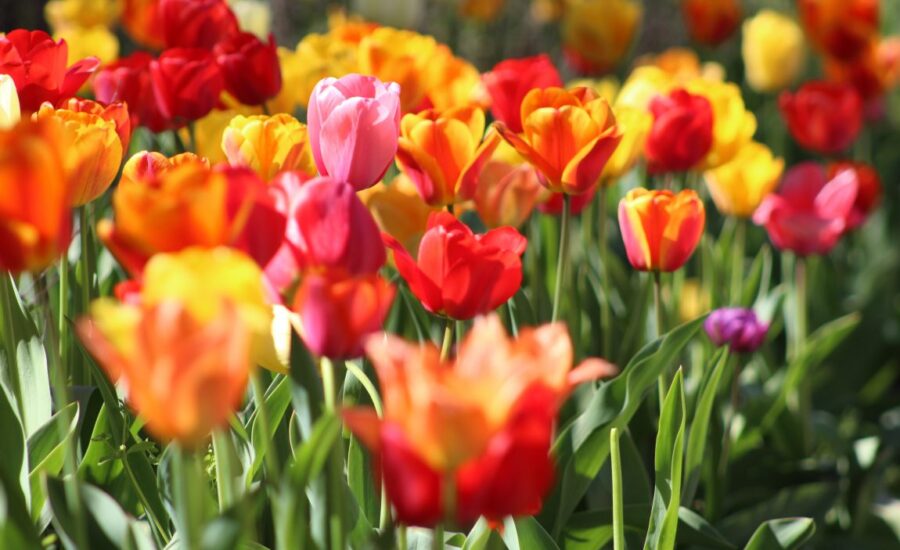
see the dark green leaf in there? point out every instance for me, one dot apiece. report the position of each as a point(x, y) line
point(782, 534)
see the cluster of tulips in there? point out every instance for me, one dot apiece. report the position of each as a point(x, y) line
point(251, 253)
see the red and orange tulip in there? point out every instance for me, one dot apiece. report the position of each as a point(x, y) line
point(840, 28)
point(661, 229)
point(711, 22)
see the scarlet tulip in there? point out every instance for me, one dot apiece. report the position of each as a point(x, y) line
point(823, 116)
point(868, 195)
point(661, 229)
point(840, 28)
point(353, 126)
point(510, 81)
point(682, 131)
point(196, 23)
point(711, 22)
point(37, 64)
point(186, 83)
point(460, 274)
point(128, 80)
point(810, 211)
point(250, 67)
point(484, 420)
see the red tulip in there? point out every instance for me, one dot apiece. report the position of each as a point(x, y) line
point(460, 274)
point(187, 84)
point(250, 68)
point(810, 211)
point(868, 195)
point(512, 79)
point(682, 131)
point(37, 64)
point(196, 23)
point(824, 117)
point(128, 80)
point(711, 22)
point(840, 28)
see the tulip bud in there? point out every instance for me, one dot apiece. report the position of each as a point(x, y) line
point(840, 28)
point(661, 229)
point(682, 132)
point(738, 328)
point(249, 67)
point(823, 116)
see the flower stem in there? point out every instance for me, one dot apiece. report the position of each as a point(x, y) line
point(335, 469)
point(605, 311)
point(187, 498)
point(800, 333)
point(447, 342)
point(618, 508)
point(7, 294)
point(657, 303)
point(563, 257)
point(259, 395)
point(737, 261)
point(732, 413)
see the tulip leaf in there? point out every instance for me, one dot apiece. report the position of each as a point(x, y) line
point(361, 480)
point(583, 447)
point(47, 450)
point(480, 537)
point(306, 390)
point(34, 383)
point(782, 534)
point(526, 534)
point(277, 400)
point(697, 436)
point(14, 463)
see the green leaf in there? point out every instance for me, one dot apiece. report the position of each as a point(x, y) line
point(278, 397)
point(696, 447)
point(16, 527)
point(809, 500)
point(306, 390)
point(13, 464)
point(526, 534)
point(34, 384)
point(361, 481)
point(669, 459)
point(693, 529)
point(480, 537)
point(47, 450)
point(782, 534)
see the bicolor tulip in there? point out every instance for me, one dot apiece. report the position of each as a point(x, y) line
point(868, 194)
point(840, 28)
point(597, 34)
point(186, 84)
point(10, 111)
point(249, 67)
point(460, 274)
point(35, 220)
point(824, 117)
point(682, 132)
point(711, 22)
point(353, 126)
point(485, 420)
point(739, 186)
point(39, 67)
point(115, 112)
point(510, 81)
point(442, 153)
point(568, 137)
point(128, 80)
point(196, 23)
point(733, 124)
point(268, 145)
point(735, 327)
point(401, 56)
point(398, 210)
point(772, 65)
point(810, 211)
point(508, 190)
point(661, 229)
point(336, 312)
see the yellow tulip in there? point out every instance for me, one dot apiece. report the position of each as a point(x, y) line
point(739, 186)
point(774, 51)
point(452, 82)
point(97, 41)
point(10, 113)
point(598, 33)
point(400, 56)
point(208, 132)
point(642, 85)
point(607, 87)
point(398, 210)
point(635, 125)
point(733, 124)
point(268, 145)
point(82, 13)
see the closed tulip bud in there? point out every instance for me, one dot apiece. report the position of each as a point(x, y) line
point(35, 222)
point(810, 211)
point(661, 229)
point(141, 19)
point(568, 137)
point(739, 186)
point(183, 376)
point(840, 28)
point(398, 210)
point(733, 124)
point(128, 80)
point(337, 313)
point(186, 84)
point(682, 132)
point(442, 153)
point(249, 67)
point(771, 65)
point(738, 328)
point(353, 123)
point(510, 81)
point(399, 56)
point(453, 264)
point(823, 116)
point(711, 22)
point(484, 420)
point(868, 194)
point(598, 33)
point(635, 125)
point(196, 23)
point(38, 66)
point(508, 190)
point(9, 103)
point(268, 145)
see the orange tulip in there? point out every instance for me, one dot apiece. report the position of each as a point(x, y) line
point(840, 28)
point(597, 33)
point(660, 229)
point(711, 22)
point(508, 190)
point(35, 223)
point(443, 152)
point(568, 136)
point(116, 112)
point(451, 81)
point(398, 210)
point(399, 56)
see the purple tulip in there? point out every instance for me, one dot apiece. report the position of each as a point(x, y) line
point(737, 327)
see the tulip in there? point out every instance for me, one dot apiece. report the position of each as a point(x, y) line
point(268, 145)
point(733, 124)
point(442, 153)
point(196, 23)
point(510, 81)
point(507, 190)
point(97, 152)
point(10, 113)
point(128, 80)
point(810, 211)
point(635, 125)
point(868, 194)
point(840, 28)
point(454, 265)
point(37, 65)
point(209, 130)
point(398, 210)
point(451, 82)
point(483, 10)
point(822, 116)
point(569, 137)
point(183, 376)
point(353, 123)
point(35, 223)
point(661, 229)
point(711, 22)
point(399, 56)
point(597, 33)
point(682, 65)
point(186, 84)
point(738, 328)
point(316, 57)
point(141, 18)
point(645, 83)
point(116, 112)
point(484, 420)
point(84, 42)
point(682, 132)
point(82, 13)
point(607, 87)
point(739, 186)
point(337, 313)
point(249, 67)
point(772, 65)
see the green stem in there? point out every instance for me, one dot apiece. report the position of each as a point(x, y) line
point(63, 325)
point(737, 261)
point(605, 311)
point(187, 493)
point(157, 525)
point(259, 395)
point(447, 342)
point(224, 471)
point(401, 538)
point(729, 422)
point(437, 542)
point(563, 257)
point(86, 260)
point(335, 470)
point(618, 508)
point(800, 290)
point(657, 304)
point(7, 289)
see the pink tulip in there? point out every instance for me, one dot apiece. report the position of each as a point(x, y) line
point(354, 123)
point(809, 212)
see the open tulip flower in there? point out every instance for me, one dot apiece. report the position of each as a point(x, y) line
point(711, 22)
point(510, 81)
point(661, 229)
point(840, 28)
point(268, 145)
point(869, 192)
point(458, 273)
point(485, 421)
point(682, 132)
point(823, 116)
point(568, 137)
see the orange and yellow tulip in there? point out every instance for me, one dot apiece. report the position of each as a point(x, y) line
point(400, 56)
point(661, 229)
point(597, 33)
point(268, 145)
point(398, 210)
